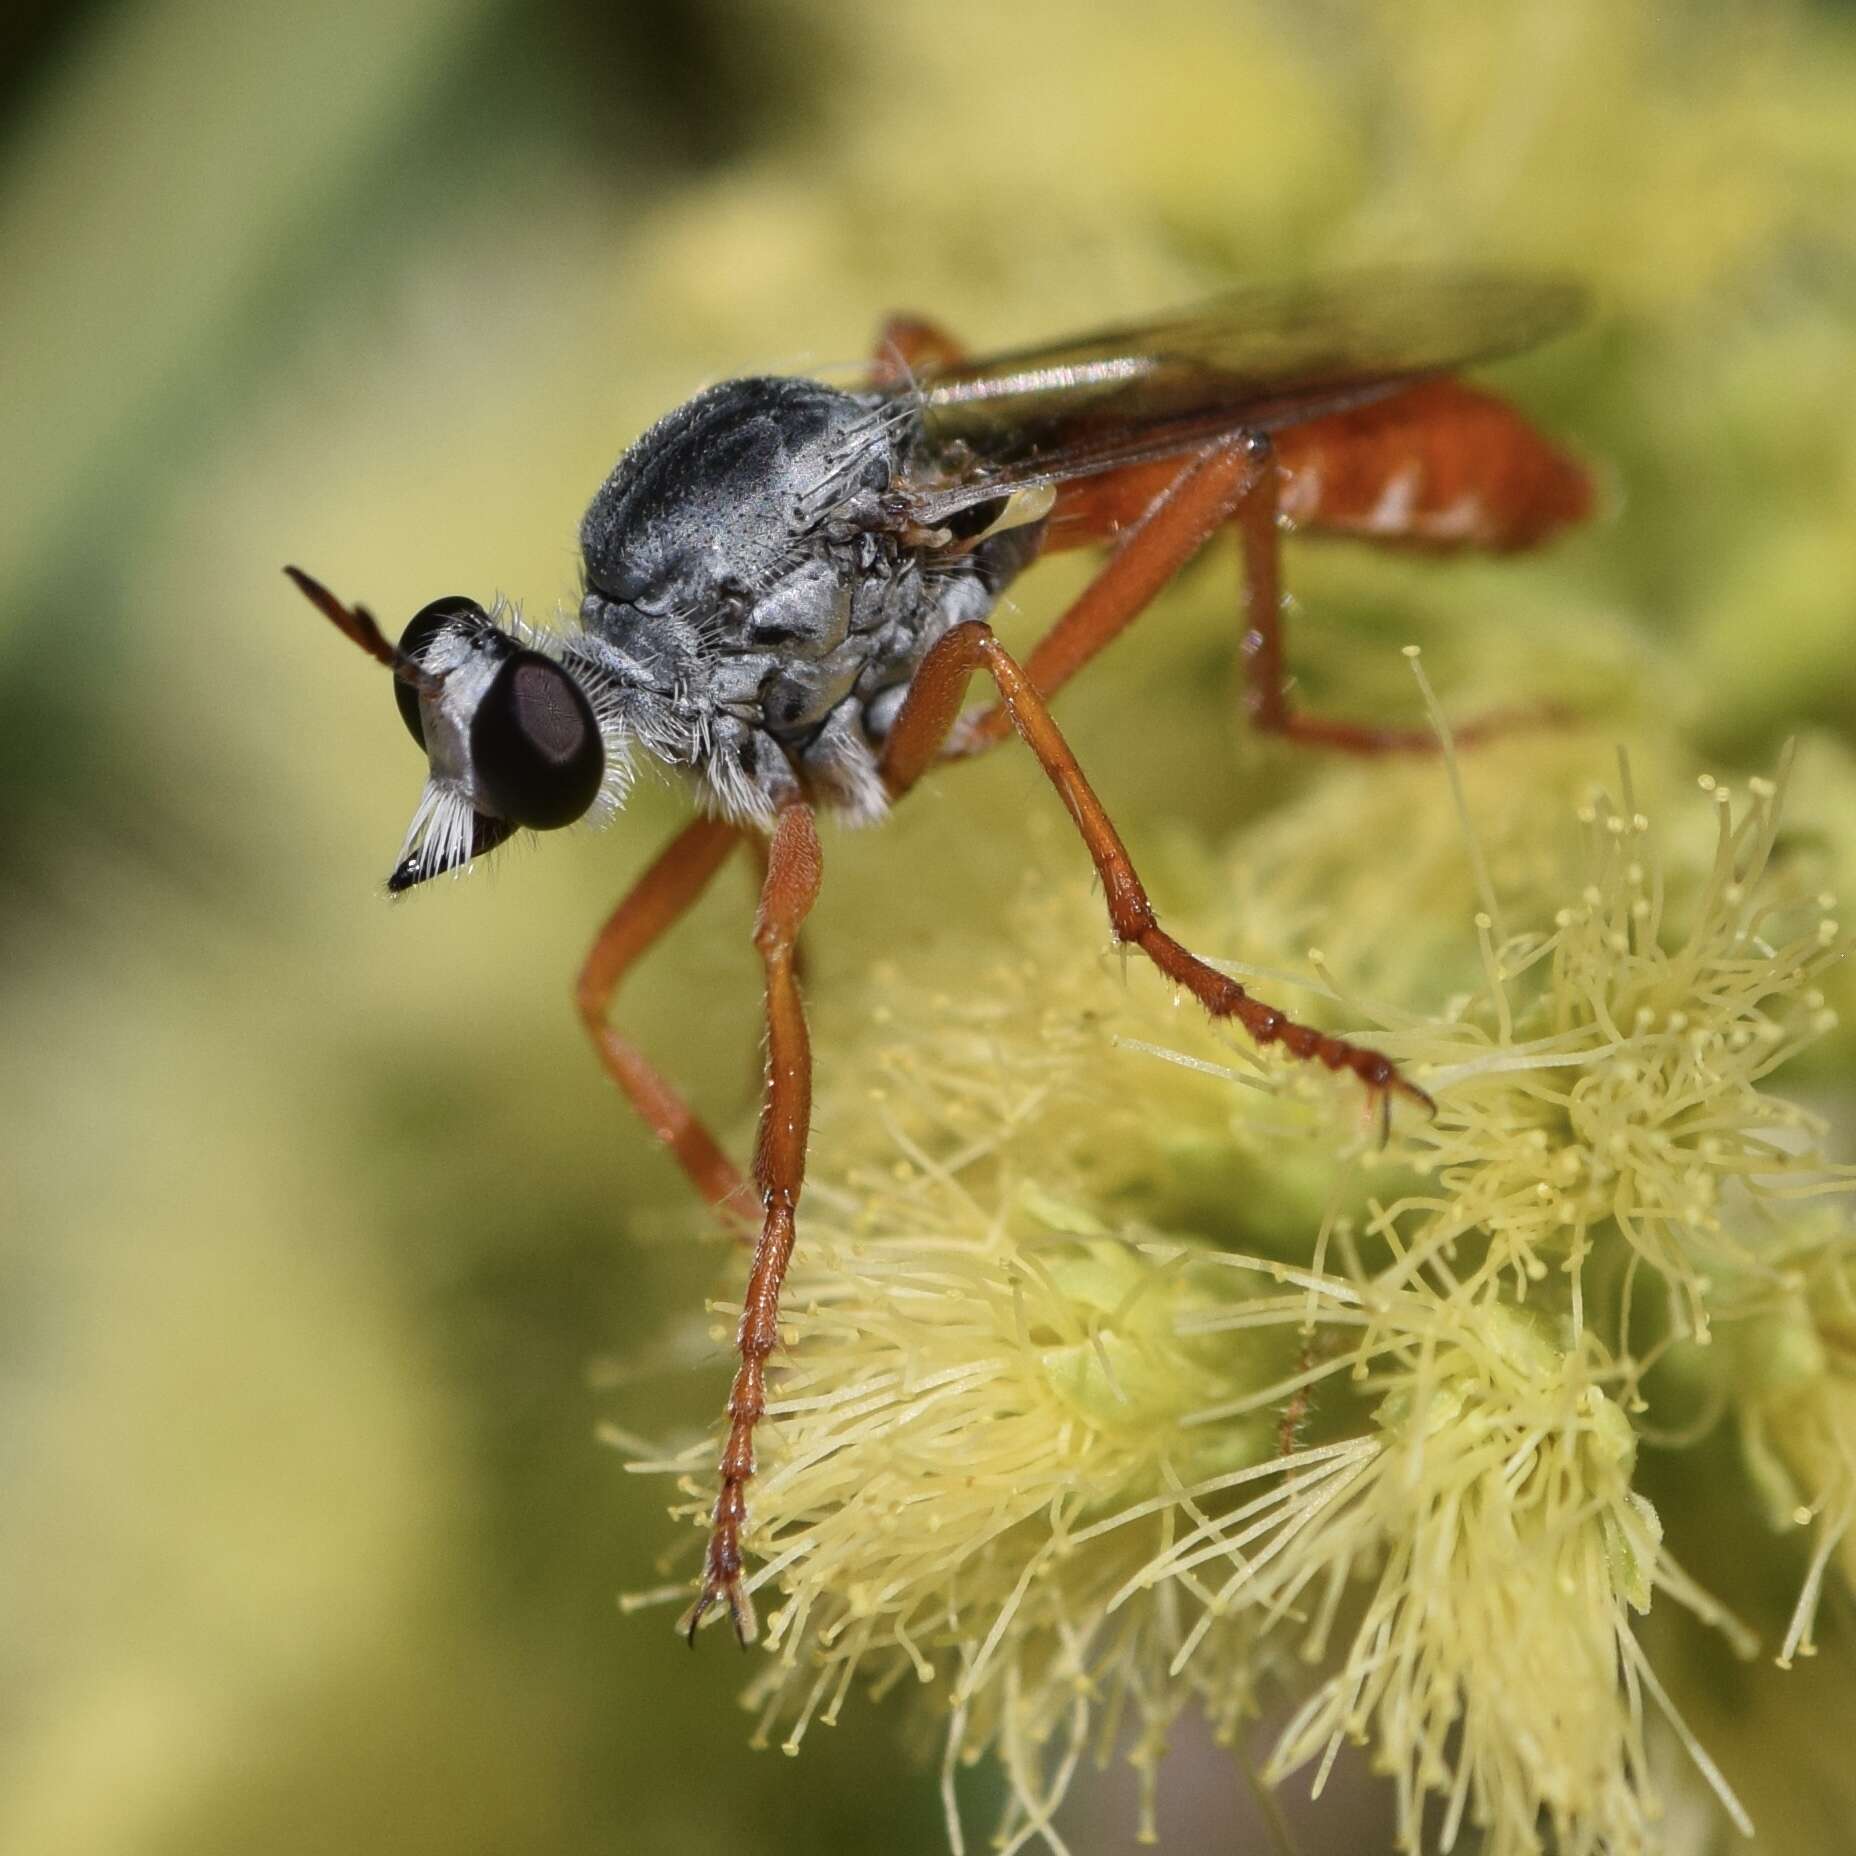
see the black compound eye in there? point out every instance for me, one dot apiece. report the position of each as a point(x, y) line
point(426, 624)
point(534, 746)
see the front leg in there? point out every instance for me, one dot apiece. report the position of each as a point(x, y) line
point(790, 888)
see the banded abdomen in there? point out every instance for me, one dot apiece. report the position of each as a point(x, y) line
point(1438, 465)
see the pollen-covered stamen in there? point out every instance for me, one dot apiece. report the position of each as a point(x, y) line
point(1495, 1662)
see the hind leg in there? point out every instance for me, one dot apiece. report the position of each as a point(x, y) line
point(1266, 679)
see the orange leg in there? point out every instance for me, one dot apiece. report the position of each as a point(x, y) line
point(762, 850)
point(659, 899)
point(1160, 516)
point(794, 868)
point(1440, 467)
point(1189, 508)
point(930, 711)
point(1266, 682)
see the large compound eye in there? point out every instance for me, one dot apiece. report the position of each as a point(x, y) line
point(426, 624)
point(534, 746)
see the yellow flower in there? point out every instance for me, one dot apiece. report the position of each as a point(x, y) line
point(1502, 1549)
point(974, 1380)
point(1126, 1372)
point(1793, 1380)
point(1607, 1078)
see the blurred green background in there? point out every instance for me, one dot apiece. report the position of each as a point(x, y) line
point(326, 1247)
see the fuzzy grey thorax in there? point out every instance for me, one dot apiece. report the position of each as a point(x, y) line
point(758, 614)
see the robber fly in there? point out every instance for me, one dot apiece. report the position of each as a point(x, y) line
point(786, 594)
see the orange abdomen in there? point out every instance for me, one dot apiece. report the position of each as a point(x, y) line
point(1438, 465)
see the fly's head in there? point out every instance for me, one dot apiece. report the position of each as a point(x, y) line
point(518, 731)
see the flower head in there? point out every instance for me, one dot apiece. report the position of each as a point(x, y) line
point(975, 1380)
point(1502, 1550)
point(1792, 1381)
point(1125, 1371)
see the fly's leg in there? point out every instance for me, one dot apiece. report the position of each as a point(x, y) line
point(658, 900)
point(1438, 466)
point(1187, 510)
point(930, 710)
point(791, 886)
point(667, 890)
point(907, 344)
point(762, 849)
point(1266, 682)
point(1266, 697)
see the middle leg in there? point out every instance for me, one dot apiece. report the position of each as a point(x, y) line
point(1184, 511)
point(930, 710)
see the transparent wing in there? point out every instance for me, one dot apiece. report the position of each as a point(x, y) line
point(1253, 360)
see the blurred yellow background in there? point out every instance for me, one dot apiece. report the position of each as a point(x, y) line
point(326, 1246)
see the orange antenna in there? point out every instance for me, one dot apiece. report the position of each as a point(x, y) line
point(359, 625)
